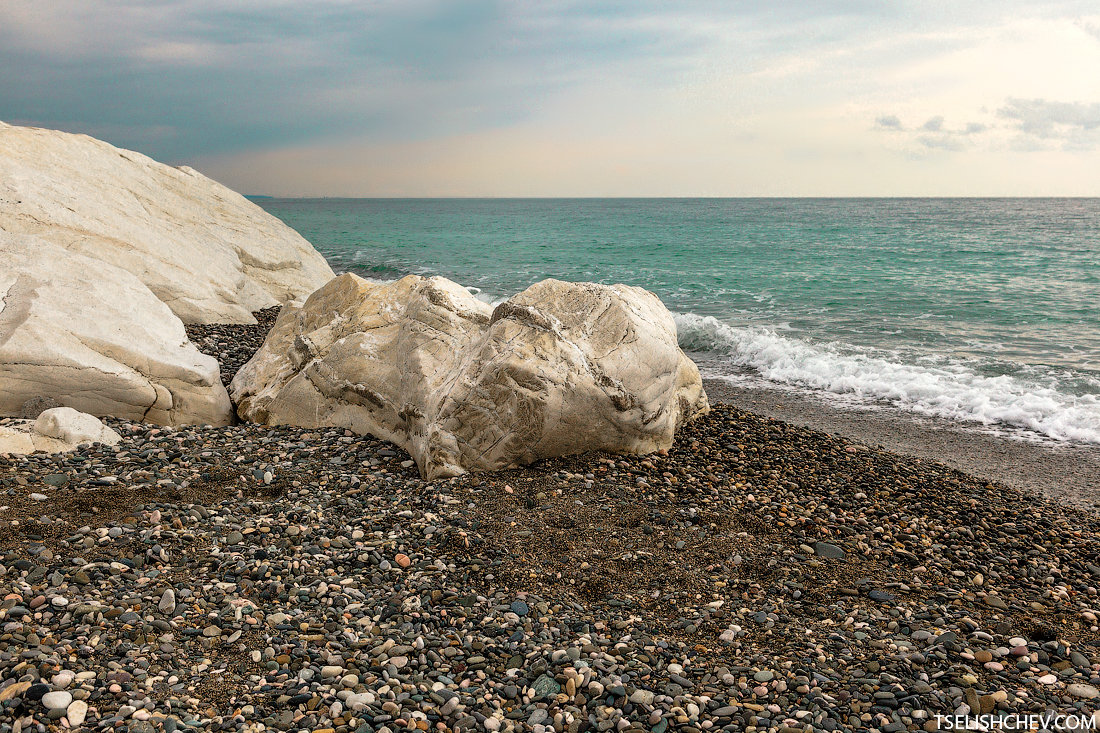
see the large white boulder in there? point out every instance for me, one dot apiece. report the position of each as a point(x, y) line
point(560, 368)
point(91, 336)
point(59, 429)
point(206, 251)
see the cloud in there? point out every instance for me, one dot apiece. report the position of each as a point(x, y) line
point(941, 142)
point(1047, 119)
point(254, 74)
point(933, 124)
point(1090, 27)
point(190, 80)
point(1022, 125)
point(933, 134)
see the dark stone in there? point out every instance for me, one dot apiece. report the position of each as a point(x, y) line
point(824, 549)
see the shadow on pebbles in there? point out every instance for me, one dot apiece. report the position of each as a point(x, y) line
point(757, 577)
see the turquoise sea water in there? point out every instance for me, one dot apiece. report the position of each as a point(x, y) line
point(979, 310)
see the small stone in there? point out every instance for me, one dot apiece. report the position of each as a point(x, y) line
point(57, 700)
point(167, 601)
point(545, 686)
point(1083, 691)
point(14, 690)
point(76, 713)
point(519, 608)
point(825, 549)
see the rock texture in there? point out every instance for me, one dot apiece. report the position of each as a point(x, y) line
point(209, 253)
point(90, 336)
point(557, 369)
point(56, 430)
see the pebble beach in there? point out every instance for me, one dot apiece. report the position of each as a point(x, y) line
point(758, 576)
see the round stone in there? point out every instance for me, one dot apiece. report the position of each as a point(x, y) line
point(57, 700)
point(1083, 691)
point(76, 712)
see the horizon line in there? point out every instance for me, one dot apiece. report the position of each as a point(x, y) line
point(661, 198)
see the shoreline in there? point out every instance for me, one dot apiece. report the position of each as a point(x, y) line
point(1067, 473)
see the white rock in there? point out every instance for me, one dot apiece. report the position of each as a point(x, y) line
point(57, 700)
point(62, 679)
point(76, 713)
point(20, 438)
point(74, 427)
point(360, 700)
point(557, 369)
point(92, 337)
point(206, 251)
point(167, 602)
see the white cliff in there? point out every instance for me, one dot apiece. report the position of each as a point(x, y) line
point(207, 252)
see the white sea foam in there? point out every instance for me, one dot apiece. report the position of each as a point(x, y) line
point(944, 389)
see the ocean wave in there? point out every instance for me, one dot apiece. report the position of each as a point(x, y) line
point(946, 389)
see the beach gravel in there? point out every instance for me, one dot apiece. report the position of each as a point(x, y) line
point(272, 578)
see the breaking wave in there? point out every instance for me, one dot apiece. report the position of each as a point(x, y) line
point(947, 389)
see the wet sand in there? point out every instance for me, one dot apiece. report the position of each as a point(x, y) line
point(1067, 473)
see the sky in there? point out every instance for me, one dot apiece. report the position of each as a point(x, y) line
point(558, 98)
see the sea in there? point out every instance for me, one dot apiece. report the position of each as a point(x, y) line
point(981, 311)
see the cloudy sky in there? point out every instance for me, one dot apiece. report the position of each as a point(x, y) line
point(549, 98)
